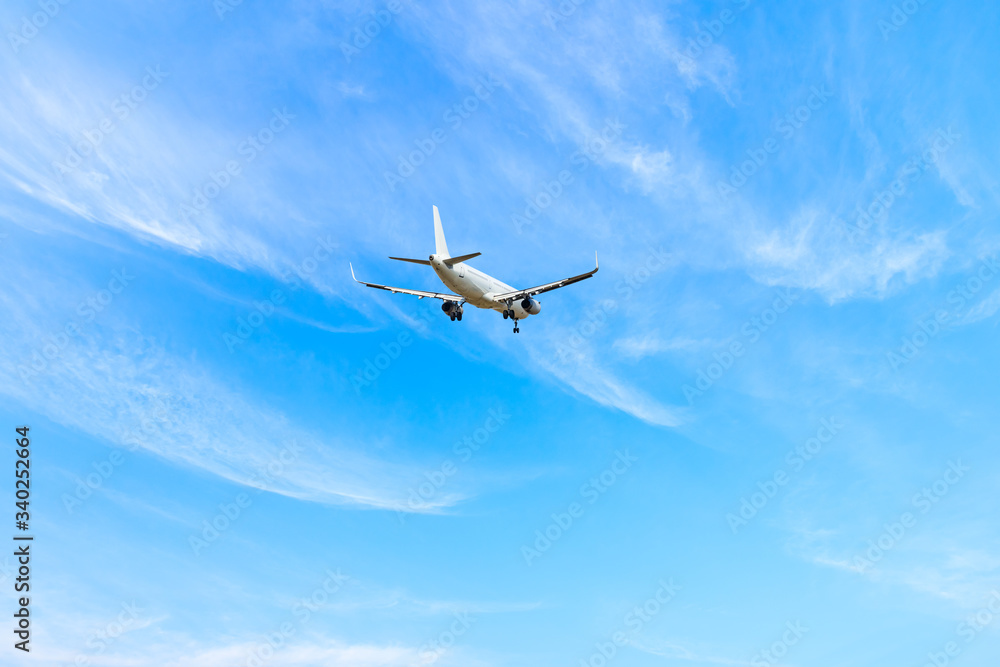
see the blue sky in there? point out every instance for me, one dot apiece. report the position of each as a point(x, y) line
point(760, 435)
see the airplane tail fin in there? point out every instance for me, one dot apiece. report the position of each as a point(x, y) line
point(441, 246)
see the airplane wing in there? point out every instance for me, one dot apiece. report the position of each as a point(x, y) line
point(415, 292)
point(548, 287)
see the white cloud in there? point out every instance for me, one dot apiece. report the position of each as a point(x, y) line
point(948, 561)
point(652, 169)
point(141, 163)
point(812, 252)
point(676, 650)
point(113, 384)
point(640, 347)
point(983, 310)
point(581, 371)
point(313, 653)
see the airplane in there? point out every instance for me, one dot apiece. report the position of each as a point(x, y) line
point(475, 287)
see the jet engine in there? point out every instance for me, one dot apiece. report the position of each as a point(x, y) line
point(531, 306)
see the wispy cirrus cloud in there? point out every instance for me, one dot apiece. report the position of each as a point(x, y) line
point(108, 381)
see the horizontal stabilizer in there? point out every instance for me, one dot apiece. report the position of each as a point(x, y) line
point(459, 259)
point(415, 261)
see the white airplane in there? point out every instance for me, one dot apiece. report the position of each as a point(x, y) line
point(473, 286)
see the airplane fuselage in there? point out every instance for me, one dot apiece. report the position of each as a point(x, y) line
point(475, 286)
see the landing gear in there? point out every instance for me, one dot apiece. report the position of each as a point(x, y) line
point(508, 314)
